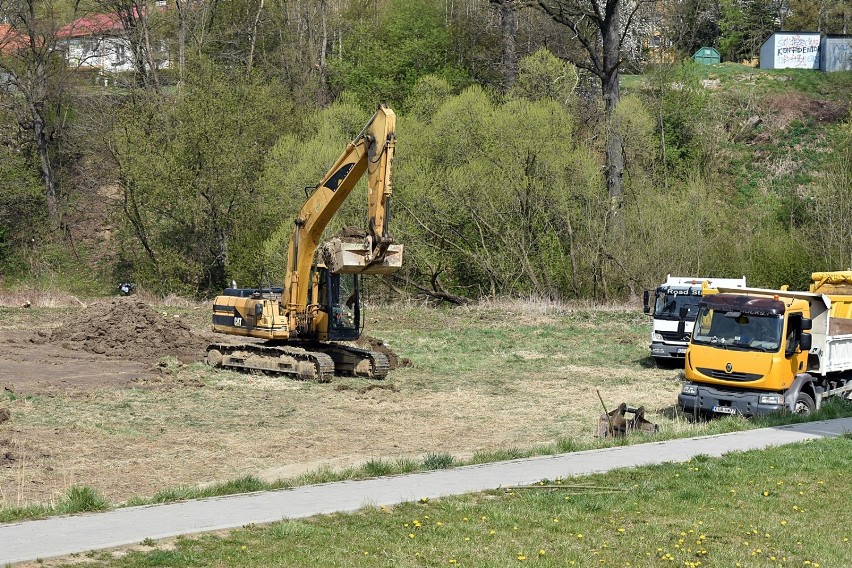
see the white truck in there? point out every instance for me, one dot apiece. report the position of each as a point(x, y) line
point(673, 306)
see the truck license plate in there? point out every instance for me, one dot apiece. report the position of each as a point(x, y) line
point(681, 350)
point(725, 409)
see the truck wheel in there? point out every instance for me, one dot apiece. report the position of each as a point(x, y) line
point(804, 404)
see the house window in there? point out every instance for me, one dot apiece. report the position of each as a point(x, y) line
point(120, 55)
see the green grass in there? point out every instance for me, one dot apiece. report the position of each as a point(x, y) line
point(775, 507)
point(78, 499)
point(585, 338)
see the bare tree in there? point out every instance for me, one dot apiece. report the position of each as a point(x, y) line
point(508, 10)
point(33, 81)
point(254, 37)
point(134, 16)
point(601, 27)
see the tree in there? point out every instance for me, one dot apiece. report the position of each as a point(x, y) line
point(745, 25)
point(826, 16)
point(188, 171)
point(483, 213)
point(33, 87)
point(508, 10)
point(386, 55)
point(690, 24)
point(601, 27)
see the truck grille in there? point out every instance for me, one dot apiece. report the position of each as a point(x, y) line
point(673, 336)
point(723, 376)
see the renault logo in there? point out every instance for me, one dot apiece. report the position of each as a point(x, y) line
point(729, 368)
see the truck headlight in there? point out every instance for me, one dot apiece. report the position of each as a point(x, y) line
point(690, 389)
point(656, 336)
point(771, 399)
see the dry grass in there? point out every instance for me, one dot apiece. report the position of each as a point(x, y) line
point(486, 378)
point(31, 297)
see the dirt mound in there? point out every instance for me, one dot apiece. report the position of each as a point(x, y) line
point(377, 344)
point(352, 232)
point(128, 328)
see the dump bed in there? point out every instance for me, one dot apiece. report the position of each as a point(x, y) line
point(836, 288)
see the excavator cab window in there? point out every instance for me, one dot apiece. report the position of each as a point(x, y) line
point(343, 306)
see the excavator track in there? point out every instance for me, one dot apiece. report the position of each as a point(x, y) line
point(309, 361)
point(293, 362)
point(357, 361)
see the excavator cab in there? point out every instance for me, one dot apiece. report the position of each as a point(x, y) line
point(338, 302)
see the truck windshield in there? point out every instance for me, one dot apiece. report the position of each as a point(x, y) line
point(735, 330)
point(669, 303)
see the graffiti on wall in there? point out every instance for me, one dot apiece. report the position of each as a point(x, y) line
point(838, 55)
point(797, 51)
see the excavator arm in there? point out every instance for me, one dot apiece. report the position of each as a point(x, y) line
point(371, 152)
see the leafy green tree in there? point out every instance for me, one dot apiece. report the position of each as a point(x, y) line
point(744, 26)
point(189, 169)
point(34, 88)
point(22, 211)
point(497, 198)
point(384, 56)
point(297, 162)
point(544, 76)
point(681, 104)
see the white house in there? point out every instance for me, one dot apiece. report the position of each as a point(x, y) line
point(98, 41)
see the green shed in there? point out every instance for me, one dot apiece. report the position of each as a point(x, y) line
point(707, 56)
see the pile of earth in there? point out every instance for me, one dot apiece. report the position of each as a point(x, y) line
point(128, 328)
point(376, 344)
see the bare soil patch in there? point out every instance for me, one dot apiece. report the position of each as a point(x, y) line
point(788, 107)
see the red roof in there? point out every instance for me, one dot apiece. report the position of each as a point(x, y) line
point(10, 39)
point(96, 24)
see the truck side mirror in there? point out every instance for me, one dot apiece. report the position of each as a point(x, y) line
point(646, 307)
point(807, 324)
point(684, 311)
point(805, 341)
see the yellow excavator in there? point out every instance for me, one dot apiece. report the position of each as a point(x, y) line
point(309, 325)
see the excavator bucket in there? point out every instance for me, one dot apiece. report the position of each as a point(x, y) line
point(349, 256)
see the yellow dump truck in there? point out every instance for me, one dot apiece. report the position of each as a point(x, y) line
point(755, 351)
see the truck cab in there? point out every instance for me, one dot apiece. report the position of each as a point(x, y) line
point(750, 353)
point(673, 306)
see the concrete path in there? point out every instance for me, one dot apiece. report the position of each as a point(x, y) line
point(60, 536)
